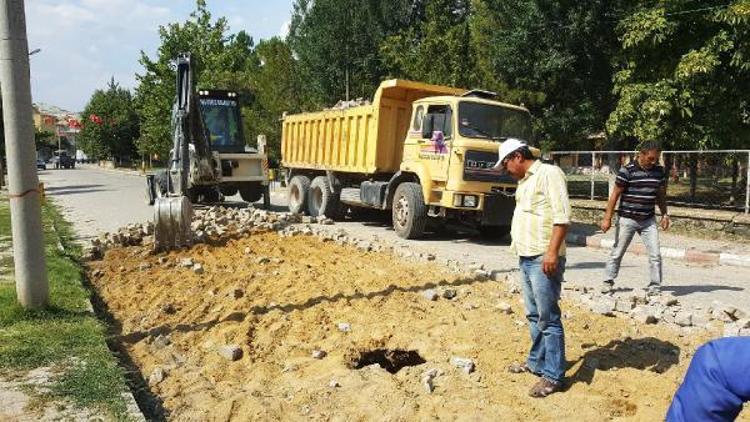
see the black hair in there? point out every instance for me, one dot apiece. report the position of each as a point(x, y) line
point(649, 146)
point(524, 152)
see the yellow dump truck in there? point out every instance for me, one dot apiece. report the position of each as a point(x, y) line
point(425, 152)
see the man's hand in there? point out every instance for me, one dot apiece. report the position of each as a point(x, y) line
point(665, 222)
point(549, 264)
point(606, 224)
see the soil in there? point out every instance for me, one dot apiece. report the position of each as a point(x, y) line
point(281, 299)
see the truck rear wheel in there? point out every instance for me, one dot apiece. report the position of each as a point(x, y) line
point(321, 200)
point(409, 211)
point(299, 191)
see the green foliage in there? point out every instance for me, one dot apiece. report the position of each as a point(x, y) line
point(669, 70)
point(685, 74)
point(275, 88)
point(110, 124)
point(221, 61)
point(337, 44)
point(43, 138)
point(437, 48)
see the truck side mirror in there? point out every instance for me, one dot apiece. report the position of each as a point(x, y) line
point(427, 126)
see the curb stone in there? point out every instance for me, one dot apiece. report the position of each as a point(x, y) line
point(687, 255)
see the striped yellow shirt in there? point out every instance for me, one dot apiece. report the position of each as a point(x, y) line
point(541, 202)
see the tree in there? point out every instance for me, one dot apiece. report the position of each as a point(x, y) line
point(275, 88)
point(337, 44)
point(685, 74)
point(436, 47)
point(110, 124)
point(221, 61)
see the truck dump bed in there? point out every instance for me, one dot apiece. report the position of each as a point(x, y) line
point(365, 139)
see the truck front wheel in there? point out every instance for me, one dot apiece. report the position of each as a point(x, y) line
point(251, 193)
point(494, 232)
point(409, 211)
point(299, 191)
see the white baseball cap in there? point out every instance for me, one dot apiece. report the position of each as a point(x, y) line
point(508, 146)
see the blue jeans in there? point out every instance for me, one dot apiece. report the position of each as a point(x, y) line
point(541, 295)
point(625, 229)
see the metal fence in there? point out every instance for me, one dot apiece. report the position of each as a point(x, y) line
point(707, 179)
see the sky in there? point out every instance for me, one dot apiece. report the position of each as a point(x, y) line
point(84, 43)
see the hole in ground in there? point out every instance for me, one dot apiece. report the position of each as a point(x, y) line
point(390, 360)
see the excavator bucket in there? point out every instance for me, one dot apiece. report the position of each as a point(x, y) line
point(172, 218)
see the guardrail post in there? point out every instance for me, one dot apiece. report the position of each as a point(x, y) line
point(747, 186)
point(593, 169)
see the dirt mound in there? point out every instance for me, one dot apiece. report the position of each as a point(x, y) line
point(330, 332)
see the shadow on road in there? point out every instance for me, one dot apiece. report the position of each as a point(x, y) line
point(700, 288)
point(74, 189)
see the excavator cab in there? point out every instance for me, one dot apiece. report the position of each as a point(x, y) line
point(221, 114)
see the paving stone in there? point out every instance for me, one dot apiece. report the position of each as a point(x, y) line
point(504, 308)
point(684, 319)
point(644, 314)
point(465, 364)
point(604, 306)
point(449, 293)
point(430, 294)
point(231, 352)
point(157, 376)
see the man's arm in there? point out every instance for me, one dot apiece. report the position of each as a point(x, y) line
point(607, 220)
point(621, 183)
point(557, 195)
point(661, 201)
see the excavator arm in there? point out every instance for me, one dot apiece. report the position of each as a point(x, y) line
point(190, 165)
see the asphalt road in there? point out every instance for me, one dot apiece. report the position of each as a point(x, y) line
point(96, 200)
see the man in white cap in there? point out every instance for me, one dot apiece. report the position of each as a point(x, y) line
point(540, 222)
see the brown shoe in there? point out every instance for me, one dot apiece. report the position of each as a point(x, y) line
point(544, 388)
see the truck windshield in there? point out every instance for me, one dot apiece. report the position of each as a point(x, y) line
point(221, 117)
point(477, 120)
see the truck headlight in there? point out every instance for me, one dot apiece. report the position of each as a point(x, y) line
point(458, 200)
point(470, 201)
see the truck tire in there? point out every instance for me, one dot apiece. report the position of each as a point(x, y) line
point(321, 200)
point(251, 192)
point(494, 232)
point(229, 190)
point(299, 191)
point(409, 211)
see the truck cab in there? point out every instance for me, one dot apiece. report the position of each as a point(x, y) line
point(452, 145)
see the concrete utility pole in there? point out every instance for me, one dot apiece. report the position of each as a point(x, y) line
point(32, 288)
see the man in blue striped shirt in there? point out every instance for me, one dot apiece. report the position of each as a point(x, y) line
point(640, 185)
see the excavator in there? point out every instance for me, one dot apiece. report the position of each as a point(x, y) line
point(208, 160)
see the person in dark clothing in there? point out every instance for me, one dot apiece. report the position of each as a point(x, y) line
point(640, 185)
point(717, 383)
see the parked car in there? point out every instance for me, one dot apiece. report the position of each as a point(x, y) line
point(61, 159)
point(41, 165)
